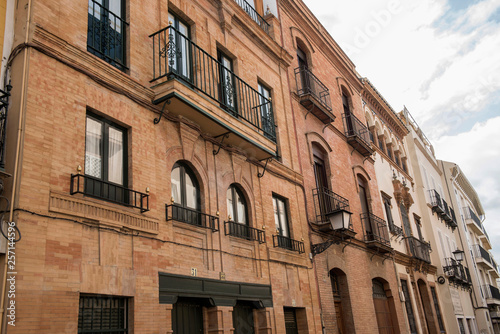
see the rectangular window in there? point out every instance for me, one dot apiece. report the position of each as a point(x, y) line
point(461, 325)
point(106, 31)
point(280, 216)
point(388, 213)
point(290, 321)
point(266, 112)
point(105, 159)
point(227, 88)
point(381, 143)
point(179, 48)
point(409, 307)
point(419, 227)
point(438, 310)
point(103, 314)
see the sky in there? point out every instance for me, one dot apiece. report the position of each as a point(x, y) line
point(440, 59)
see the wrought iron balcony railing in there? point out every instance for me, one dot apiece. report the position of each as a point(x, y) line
point(308, 83)
point(395, 229)
point(288, 243)
point(436, 201)
point(94, 187)
point(453, 222)
point(469, 214)
point(490, 291)
point(106, 35)
point(4, 106)
point(327, 202)
point(480, 252)
point(176, 56)
point(353, 127)
point(256, 17)
point(191, 216)
point(375, 229)
point(457, 273)
point(420, 249)
point(244, 231)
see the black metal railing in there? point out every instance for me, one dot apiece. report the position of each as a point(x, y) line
point(446, 210)
point(288, 243)
point(327, 202)
point(490, 291)
point(469, 214)
point(420, 249)
point(194, 217)
point(176, 56)
point(453, 222)
point(256, 17)
point(375, 229)
point(480, 252)
point(436, 201)
point(456, 272)
point(244, 231)
point(353, 127)
point(94, 187)
point(308, 83)
point(106, 35)
point(395, 229)
point(4, 106)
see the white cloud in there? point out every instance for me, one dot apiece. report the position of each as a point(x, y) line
point(477, 152)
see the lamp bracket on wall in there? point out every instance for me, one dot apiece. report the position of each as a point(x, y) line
point(323, 246)
point(158, 119)
point(259, 175)
point(224, 136)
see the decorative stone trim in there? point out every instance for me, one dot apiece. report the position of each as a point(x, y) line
point(102, 213)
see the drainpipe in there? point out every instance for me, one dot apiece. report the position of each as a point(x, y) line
point(15, 180)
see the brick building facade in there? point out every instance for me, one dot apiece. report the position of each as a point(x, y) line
point(209, 166)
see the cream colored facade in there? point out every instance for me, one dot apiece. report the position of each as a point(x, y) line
point(476, 244)
point(453, 290)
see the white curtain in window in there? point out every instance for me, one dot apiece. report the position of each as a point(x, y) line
point(191, 193)
point(93, 145)
point(282, 212)
point(230, 212)
point(115, 156)
point(241, 207)
point(176, 185)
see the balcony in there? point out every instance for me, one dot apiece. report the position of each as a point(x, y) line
point(288, 243)
point(436, 202)
point(495, 315)
point(419, 249)
point(376, 235)
point(313, 95)
point(328, 203)
point(473, 221)
point(254, 15)
point(94, 187)
point(457, 274)
point(244, 232)
point(189, 82)
point(448, 214)
point(358, 135)
point(483, 257)
point(492, 294)
point(4, 105)
point(192, 217)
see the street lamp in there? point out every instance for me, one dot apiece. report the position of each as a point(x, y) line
point(459, 255)
point(339, 219)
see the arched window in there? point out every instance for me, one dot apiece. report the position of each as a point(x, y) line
point(185, 195)
point(236, 205)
